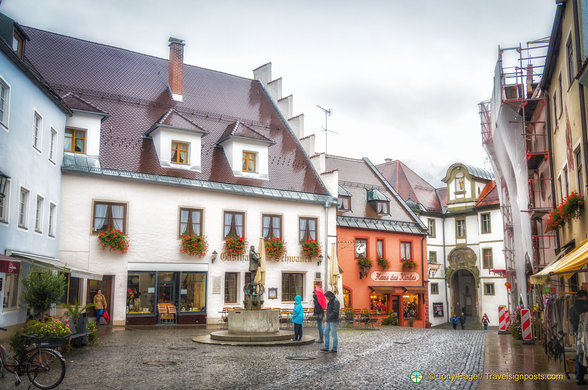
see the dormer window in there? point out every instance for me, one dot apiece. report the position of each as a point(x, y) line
point(75, 141)
point(17, 44)
point(246, 150)
point(177, 141)
point(343, 199)
point(379, 202)
point(180, 153)
point(249, 161)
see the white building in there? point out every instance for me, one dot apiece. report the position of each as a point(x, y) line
point(160, 150)
point(465, 243)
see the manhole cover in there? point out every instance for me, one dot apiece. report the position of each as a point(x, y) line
point(161, 363)
point(401, 342)
point(300, 358)
point(181, 348)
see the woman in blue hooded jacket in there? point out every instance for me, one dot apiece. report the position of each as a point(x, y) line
point(297, 318)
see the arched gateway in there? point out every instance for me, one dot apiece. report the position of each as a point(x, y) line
point(463, 280)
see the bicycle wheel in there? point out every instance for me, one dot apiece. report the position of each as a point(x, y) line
point(46, 368)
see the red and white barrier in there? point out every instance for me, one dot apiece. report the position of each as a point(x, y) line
point(503, 319)
point(526, 328)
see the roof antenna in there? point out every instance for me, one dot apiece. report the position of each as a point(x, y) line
point(328, 112)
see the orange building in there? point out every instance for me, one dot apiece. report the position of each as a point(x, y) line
point(381, 245)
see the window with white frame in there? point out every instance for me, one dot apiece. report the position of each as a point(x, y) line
point(4, 103)
point(360, 247)
point(39, 214)
point(486, 227)
point(52, 221)
point(432, 227)
point(405, 250)
point(566, 182)
point(37, 130)
point(4, 203)
point(432, 257)
point(579, 172)
point(460, 228)
point(489, 289)
point(434, 288)
point(23, 208)
point(570, 61)
point(52, 144)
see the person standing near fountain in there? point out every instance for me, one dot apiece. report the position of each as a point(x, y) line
point(298, 318)
point(332, 321)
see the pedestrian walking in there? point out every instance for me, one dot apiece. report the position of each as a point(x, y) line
point(579, 307)
point(332, 321)
point(485, 321)
point(99, 305)
point(319, 315)
point(454, 322)
point(297, 318)
point(462, 320)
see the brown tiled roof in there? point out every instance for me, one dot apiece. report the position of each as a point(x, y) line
point(489, 195)
point(75, 102)
point(132, 87)
point(172, 118)
point(409, 185)
point(238, 129)
point(356, 177)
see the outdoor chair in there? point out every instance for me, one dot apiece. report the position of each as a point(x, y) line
point(172, 314)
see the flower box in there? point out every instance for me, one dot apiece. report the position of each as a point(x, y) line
point(235, 246)
point(311, 248)
point(571, 208)
point(408, 264)
point(114, 240)
point(275, 248)
point(194, 245)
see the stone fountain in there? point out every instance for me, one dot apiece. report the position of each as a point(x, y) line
point(253, 325)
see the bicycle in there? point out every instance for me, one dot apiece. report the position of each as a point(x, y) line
point(44, 366)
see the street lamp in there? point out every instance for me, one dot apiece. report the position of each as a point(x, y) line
point(3, 182)
point(320, 260)
point(214, 255)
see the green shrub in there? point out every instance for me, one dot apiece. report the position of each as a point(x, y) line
point(42, 289)
point(392, 319)
point(51, 328)
point(93, 329)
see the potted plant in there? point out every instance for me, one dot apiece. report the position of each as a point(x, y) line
point(235, 246)
point(383, 263)
point(364, 266)
point(114, 240)
point(80, 321)
point(408, 264)
point(275, 248)
point(194, 245)
point(310, 248)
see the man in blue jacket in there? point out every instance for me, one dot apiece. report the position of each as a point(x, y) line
point(332, 321)
point(298, 318)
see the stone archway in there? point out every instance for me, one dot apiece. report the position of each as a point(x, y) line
point(463, 279)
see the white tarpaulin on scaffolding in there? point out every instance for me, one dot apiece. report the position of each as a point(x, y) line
point(507, 151)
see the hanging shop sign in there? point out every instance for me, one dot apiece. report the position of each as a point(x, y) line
point(9, 267)
point(394, 276)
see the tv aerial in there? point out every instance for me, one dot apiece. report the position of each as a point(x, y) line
point(328, 112)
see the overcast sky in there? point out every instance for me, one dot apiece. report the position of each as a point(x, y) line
point(403, 78)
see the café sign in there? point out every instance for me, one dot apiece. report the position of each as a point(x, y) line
point(9, 267)
point(380, 276)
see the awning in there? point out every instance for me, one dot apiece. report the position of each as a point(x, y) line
point(55, 264)
point(565, 266)
point(416, 290)
point(388, 290)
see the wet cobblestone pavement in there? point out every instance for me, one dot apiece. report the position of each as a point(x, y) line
point(167, 358)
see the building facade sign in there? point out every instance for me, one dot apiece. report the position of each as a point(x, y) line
point(9, 267)
point(379, 276)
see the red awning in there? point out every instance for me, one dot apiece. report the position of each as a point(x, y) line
point(9, 265)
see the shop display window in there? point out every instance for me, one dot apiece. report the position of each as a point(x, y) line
point(141, 293)
point(193, 292)
point(10, 291)
point(379, 303)
point(410, 303)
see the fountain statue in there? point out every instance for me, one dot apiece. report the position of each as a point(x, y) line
point(253, 292)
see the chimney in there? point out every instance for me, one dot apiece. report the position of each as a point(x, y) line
point(388, 160)
point(176, 68)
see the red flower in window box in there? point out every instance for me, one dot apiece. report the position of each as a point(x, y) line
point(383, 262)
point(408, 264)
point(235, 246)
point(571, 208)
point(194, 245)
point(311, 248)
point(114, 240)
point(275, 248)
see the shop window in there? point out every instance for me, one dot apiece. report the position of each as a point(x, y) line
point(410, 303)
point(346, 297)
point(71, 293)
point(109, 216)
point(379, 303)
point(487, 258)
point(141, 293)
point(405, 251)
point(11, 291)
point(432, 257)
point(272, 226)
point(434, 288)
point(486, 227)
point(190, 222)
point(360, 248)
point(233, 224)
point(231, 279)
point(292, 285)
point(193, 292)
point(432, 228)
point(307, 229)
point(488, 288)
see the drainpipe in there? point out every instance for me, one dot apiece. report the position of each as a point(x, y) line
point(581, 91)
point(426, 293)
point(326, 251)
point(445, 269)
